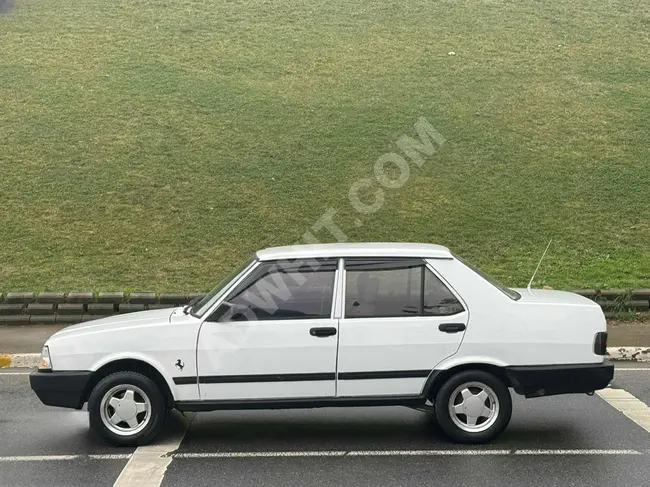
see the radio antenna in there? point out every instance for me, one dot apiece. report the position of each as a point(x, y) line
point(538, 264)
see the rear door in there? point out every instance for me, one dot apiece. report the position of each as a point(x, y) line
point(399, 320)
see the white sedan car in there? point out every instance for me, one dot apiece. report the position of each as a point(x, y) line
point(374, 324)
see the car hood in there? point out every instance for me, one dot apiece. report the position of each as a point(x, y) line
point(550, 296)
point(142, 318)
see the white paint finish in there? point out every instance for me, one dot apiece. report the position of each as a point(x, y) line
point(370, 249)
point(147, 336)
point(544, 327)
point(380, 387)
point(384, 344)
point(148, 464)
point(269, 390)
point(547, 328)
point(266, 347)
point(628, 404)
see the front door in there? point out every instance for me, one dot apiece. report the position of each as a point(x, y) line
point(273, 336)
point(400, 320)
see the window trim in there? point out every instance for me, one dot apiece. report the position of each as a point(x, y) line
point(258, 264)
point(427, 265)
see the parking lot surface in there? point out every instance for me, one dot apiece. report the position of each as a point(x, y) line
point(573, 440)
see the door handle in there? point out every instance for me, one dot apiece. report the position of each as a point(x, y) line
point(323, 332)
point(452, 327)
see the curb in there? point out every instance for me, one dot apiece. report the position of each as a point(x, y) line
point(633, 354)
point(30, 360)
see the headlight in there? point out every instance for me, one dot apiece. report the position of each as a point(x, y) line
point(46, 363)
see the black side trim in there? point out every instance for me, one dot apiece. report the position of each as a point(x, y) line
point(387, 374)
point(62, 389)
point(233, 379)
point(184, 381)
point(549, 380)
point(306, 403)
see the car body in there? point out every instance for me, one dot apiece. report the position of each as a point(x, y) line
point(364, 324)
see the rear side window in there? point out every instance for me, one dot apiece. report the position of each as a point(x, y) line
point(282, 291)
point(395, 288)
point(438, 299)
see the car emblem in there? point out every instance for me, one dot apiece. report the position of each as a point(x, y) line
point(180, 365)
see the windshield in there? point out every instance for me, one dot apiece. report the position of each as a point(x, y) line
point(204, 304)
point(511, 293)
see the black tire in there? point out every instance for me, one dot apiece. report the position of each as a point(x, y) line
point(444, 416)
point(157, 412)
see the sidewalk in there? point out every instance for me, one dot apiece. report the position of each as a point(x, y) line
point(30, 338)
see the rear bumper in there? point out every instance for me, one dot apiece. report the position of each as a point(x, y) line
point(62, 389)
point(549, 380)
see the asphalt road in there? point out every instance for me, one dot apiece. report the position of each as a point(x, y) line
point(564, 441)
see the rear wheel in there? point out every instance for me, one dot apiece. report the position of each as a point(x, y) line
point(127, 409)
point(473, 406)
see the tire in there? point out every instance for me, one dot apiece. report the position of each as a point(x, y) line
point(127, 409)
point(494, 404)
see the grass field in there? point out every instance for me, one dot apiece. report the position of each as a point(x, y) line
point(154, 144)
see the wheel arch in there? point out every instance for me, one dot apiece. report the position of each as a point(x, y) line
point(130, 365)
point(439, 376)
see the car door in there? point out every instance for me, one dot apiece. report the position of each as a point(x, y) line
point(273, 336)
point(399, 320)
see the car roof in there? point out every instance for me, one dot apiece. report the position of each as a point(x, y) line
point(368, 249)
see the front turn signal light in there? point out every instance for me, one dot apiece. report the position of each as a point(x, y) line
point(46, 363)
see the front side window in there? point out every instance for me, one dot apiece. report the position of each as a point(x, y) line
point(202, 305)
point(395, 288)
point(282, 291)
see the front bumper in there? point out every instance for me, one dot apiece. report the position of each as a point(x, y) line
point(64, 389)
point(549, 380)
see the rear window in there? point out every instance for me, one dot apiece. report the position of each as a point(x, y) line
point(511, 293)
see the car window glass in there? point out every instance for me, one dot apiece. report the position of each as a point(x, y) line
point(281, 291)
point(383, 289)
point(395, 288)
point(438, 299)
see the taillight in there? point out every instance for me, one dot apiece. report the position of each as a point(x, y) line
point(600, 343)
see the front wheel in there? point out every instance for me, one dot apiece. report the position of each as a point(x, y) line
point(473, 407)
point(127, 409)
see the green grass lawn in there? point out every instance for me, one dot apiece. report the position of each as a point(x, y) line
point(154, 144)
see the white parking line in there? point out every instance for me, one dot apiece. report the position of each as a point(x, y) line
point(428, 453)
point(628, 404)
point(261, 454)
point(146, 468)
point(148, 465)
point(59, 458)
point(578, 452)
